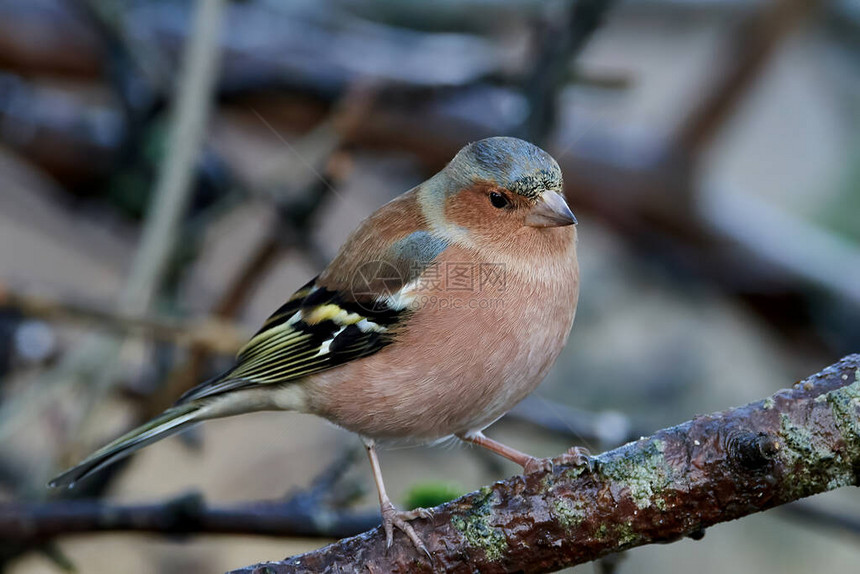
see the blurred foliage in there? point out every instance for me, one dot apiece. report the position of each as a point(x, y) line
point(842, 212)
point(432, 493)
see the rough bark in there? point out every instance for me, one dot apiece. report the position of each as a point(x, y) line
point(715, 468)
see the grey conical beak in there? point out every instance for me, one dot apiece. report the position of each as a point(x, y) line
point(551, 210)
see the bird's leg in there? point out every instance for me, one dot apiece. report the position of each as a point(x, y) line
point(392, 517)
point(530, 464)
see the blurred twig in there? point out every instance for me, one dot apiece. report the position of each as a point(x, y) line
point(126, 51)
point(330, 488)
point(609, 564)
point(90, 365)
point(558, 39)
point(33, 523)
point(173, 187)
point(317, 511)
point(607, 429)
point(752, 44)
point(789, 243)
point(217, 336)
point(812, 515)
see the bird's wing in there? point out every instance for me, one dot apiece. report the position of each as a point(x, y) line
point(315, 330)
point(352, 310)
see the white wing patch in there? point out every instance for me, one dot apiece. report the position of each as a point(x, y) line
point(403, 298)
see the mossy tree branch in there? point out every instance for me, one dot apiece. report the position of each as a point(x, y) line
point(798, 442)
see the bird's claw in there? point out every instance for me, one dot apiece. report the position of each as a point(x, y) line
point(426, 513)
point(578, 456)
point(538, 465)
point(392, 517)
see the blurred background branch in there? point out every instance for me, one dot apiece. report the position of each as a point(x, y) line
point(317, 512)
point(92, 364)
point(217, 336)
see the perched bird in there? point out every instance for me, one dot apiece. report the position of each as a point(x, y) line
point(443, 310)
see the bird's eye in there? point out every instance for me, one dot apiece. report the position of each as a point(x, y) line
point(498, 200)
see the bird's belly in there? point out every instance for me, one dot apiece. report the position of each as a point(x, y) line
point(451, 371)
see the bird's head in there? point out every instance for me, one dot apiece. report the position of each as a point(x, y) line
point(498, 189)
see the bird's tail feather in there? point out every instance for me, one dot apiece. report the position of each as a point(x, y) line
point(170, 422)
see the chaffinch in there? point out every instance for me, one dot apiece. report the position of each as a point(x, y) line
point(444, 309)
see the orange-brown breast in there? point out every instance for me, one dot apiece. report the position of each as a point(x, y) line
point(485, 331)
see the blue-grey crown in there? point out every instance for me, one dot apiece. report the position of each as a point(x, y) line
point(508, 162)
